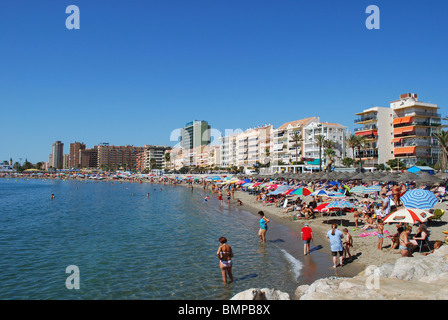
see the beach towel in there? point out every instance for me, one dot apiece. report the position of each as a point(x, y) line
point(368, 234)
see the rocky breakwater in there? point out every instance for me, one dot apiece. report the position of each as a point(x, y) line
point(415, 278)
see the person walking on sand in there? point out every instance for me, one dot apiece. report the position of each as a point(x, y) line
point(225, 255)
point(263, 226)
point(307, 237)
point(335, 237)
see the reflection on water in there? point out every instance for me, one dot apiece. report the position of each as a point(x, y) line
point(131, 245)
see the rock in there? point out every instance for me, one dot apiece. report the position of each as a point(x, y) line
point(261, 294)
point(416, 278)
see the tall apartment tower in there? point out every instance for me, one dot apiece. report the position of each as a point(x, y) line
point(75, 154)
point(194, 134)
point(57, 155)
point(414, 124)
point(375, 125)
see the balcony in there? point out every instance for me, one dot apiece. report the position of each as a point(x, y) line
point(366, 118)
point(367, 153)
point(420, 113)
point(370, 127)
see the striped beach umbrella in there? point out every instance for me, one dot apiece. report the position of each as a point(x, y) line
point(320, 193)
point(372, 189)
point(419, 199)
point(340, 204)
point(408, 215)
point(357, 189)
point(302, 191)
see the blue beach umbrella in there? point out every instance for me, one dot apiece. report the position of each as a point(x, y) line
point(340, 204)
point(358, 189)
point(320, 192)
point(372, 189)
point(419, 199)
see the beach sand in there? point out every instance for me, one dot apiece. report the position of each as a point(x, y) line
point(364, 249)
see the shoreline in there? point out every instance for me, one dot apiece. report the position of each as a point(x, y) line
point(349, 270)
point(365, 247)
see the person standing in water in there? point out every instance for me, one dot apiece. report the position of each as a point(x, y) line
point(263, 226)
point(307, 237)
point(220, 197)
point(225, 255)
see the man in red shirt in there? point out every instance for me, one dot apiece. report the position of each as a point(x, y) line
point(307, 236)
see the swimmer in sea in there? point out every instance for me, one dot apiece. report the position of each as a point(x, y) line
point(263, 226)
point(206, 198)
point(225, 255)
point(52, 196)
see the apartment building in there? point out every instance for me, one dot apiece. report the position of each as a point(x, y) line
point(414, 124)
point(375, 125)
point(334, 132)
point(153, 156)
point(118, 157)
point(88, 158)
point(75, 148)
point(284, 147)
point(253, 146)
point(194, 134)
point(228, 150)
point(57, 155)
point(403, 131)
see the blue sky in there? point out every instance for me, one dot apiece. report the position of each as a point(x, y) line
point(138, 69)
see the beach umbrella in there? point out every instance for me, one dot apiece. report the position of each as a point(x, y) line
point(336, 195)
point(321, 208)
point(419, 199)
point(302, 191)
point(357, 189)
point(408, 215)
point(320, 193)
point(425, 177)
point(372, 189)
point(340, 204)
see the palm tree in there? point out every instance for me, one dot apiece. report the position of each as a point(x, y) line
point(352, 142)
point(329, 153)
point(442, 139)
point(320, 142)
point(297, 137)
point(360, 144)
point(167, 158)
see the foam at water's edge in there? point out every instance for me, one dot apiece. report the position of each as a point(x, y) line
point(296, 264)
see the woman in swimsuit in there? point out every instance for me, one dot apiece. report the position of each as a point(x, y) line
point(220, 197)
point(263, 226)
point(225, 255)
point(404, 244)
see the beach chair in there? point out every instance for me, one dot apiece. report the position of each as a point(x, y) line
point(438, 213)
point(424, 243)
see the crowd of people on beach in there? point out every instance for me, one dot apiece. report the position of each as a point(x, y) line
point(368, 212)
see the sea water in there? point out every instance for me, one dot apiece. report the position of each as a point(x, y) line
point(128, 245)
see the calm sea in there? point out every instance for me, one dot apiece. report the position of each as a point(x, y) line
point(130, 246)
